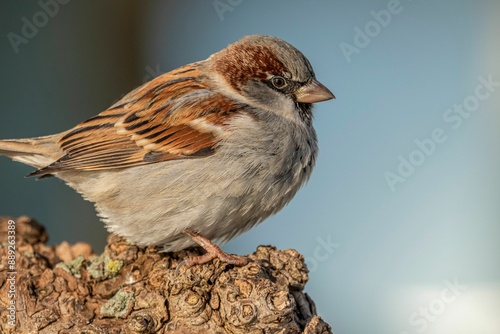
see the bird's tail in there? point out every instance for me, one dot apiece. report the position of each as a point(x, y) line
point(37, 152)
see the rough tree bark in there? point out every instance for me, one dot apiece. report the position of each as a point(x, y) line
point(128, 289)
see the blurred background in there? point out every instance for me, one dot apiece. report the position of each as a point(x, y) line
point(400, 222)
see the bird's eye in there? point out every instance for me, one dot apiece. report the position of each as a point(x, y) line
point(279, 82)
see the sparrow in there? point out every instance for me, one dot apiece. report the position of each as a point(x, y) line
point(197, 155)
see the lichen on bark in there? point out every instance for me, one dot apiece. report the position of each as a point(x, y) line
point(129, 289)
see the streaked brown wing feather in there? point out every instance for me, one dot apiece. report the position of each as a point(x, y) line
point(175, 116)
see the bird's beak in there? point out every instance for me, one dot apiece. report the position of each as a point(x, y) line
point(313, 92)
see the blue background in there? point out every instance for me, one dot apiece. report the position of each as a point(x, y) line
point(382, 259)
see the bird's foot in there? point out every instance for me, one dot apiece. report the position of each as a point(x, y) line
point(212, 251)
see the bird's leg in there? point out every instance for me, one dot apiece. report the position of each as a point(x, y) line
point(213, 251)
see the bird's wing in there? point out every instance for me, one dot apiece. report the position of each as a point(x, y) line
point(175, 116)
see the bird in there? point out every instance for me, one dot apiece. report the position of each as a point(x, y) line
point(197, 155)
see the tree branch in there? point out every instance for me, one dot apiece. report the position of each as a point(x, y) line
point(129, 289)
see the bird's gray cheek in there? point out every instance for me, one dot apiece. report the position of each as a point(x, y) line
point(260, 93)
point(266, 98)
